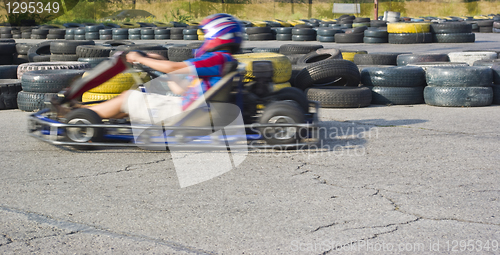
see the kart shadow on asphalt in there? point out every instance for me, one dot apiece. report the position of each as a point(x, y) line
point(353, 135)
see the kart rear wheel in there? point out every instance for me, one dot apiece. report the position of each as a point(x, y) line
point(83, 135)
point(282, 112)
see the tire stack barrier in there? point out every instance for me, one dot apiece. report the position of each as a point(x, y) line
point(398, 85)
point(22, 53)
point(376, 59)
point(93, 54)
point(259, 33)
point(7, 53)
point(79, 33)
point(375, 36)
point(265, 49)
point(40, 86)
point(26, 33)
point(407, 33)
point(468, 86)
point(349, 54)
point(39, 52)
point(284, 33)
point(405, 59)
point(452, 32)
point(134, 34)
point(201, 35)
point(6, 32)
point(327, 34)
point(282, 68)
point(176, 33)
point(162, 34)
point(120, 33)
point(471, 57)
point(39, 33)
point(294, 52)
point(190, 33)
point(147, 33)
point(303, 34)
point(106, 34)
point(66, 50)
point(70, 34)
point(485, 26)
point(9, 89)
point(56, 33)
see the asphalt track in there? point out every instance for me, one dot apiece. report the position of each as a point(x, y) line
point(388, 180)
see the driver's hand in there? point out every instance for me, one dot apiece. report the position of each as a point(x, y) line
point(133, 57)
point(156, 56)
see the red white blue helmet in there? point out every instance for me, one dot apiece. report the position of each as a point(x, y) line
point(221, 30)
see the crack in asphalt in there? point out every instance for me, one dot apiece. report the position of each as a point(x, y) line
point(28, 242)
point(75, 228)
point(357, 241)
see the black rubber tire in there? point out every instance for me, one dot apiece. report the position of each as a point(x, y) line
point(120, 31)
point(319, 55)
point(83, 116)
point(322, 38)
point(328, 32)
point(484, 23)
point(485, 29)
point(9, 88)
point(284, 30)
point(70, 31)
point(265, 49)
point(336, 72)
point(180, 53)
point(80, 38)
point(92, 36)
point(7, 48)
point(289, 49)
point(293, 94)
point(303, 31)
point(349, 38)
point(32, 101)
point(162, 32)
point(190, 37)
point(93, 61)
point(287, 109)
point(283, 37)
point(141, 47)
point(260, 37)
point(68, 47)
point(162, 37)
point(396, 76)
point(405, 59)
point(20, 59)
point(63, 57)
point(49, 81)
point(340, 97)
point(302, 26)
point(302, 38)
point(376, 33)
point(458, 96)
point(69, 37)
point(37, 37)
point(378, 23)
point(79, 31)
point(257, 30)
point(176, 31)
point(134, 31)
point(496, 73)
point(23, 68)
point(397, 95)
point(176, 36)
point(454, 38)
point(57, 31)
point(376, 59)
point(120, 37)
point(93, 51)
point(147, 31)
point(39, 31)
point(93, 28)
point(375, 40)
point(294, 58)
point(496, 93)
point(461, 76)
point(450, 28)
point(190, 32)
point(147, 37)
point(105, 37)
point(107, 31)
point(8, 72)
point(38, 50)
point(26, 35)
point(409, 38)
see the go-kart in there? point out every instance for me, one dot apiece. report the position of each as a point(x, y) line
point(280, 119)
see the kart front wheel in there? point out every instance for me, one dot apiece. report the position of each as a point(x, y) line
point(82, 135)
point(282, 112)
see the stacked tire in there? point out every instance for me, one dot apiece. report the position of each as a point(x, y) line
point(39, 52)
point(294, 52)
point(190, 33)
point(471, 56)
point(376, 59)
point(496, 27)
point(408, 33)
point(9, 89)
point(7, 52)
point(93, 54)
point(162, 34)
point(282, 68)
point(327, 34)
point(259, 33)
point(406, 59)
point(467, 86)
point(485, 26)
point(303, 34)
point(66, 50)
point(22, 53)
point(6, 32)
point(398, 85)
point(284, 34)
point(79, 33)
point(106, 34)
point(375, 36)
point(147, 33)
point(452, 32)
point(120, 33)
point(350, 54)
point(176, 33)
point(56, 33)
point(40, 86)
point(39, 33)
point(134, 34)
point(70, 34)
point(92, 32)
